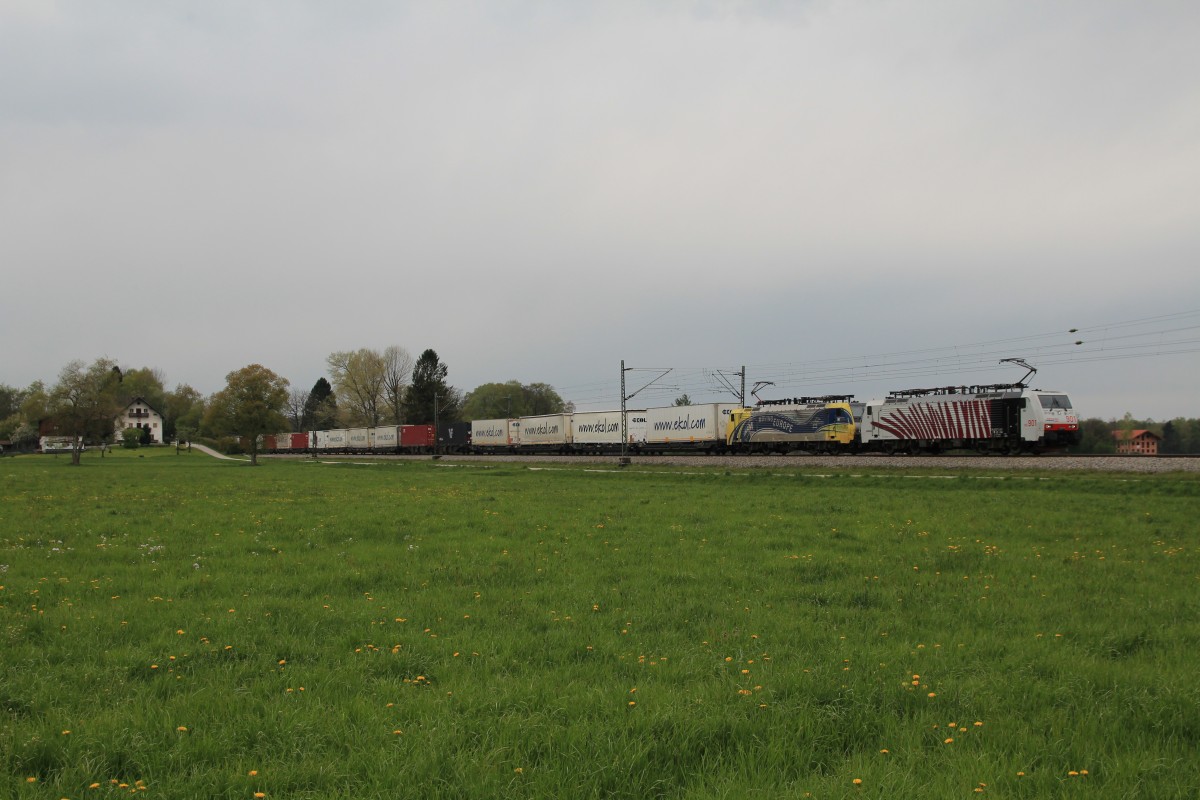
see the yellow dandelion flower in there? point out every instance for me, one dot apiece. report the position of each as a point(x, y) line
point(857, 781)
point(949, 740)
point(253, 773)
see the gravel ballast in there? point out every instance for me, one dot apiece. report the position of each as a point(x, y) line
point(1135, 464)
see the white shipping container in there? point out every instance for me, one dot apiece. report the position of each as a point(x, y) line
point(283, 441)
point(494, 432)
point(604, 427)
point(359, 438)
point(386, 437)
point(549, 430)
point(688, 425)
point(331, 440)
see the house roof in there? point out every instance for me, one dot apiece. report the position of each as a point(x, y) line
point(139, 400)
point(1137, 434)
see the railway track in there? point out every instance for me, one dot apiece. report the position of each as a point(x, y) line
point(1096, 463)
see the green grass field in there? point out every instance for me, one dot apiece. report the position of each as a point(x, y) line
point(177, 626)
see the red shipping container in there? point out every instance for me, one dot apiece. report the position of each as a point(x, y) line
point(416, 436)
point(299, 441)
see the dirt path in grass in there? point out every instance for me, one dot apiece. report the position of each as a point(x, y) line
point(208, 451)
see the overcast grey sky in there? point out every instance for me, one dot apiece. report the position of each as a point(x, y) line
point(538, 190)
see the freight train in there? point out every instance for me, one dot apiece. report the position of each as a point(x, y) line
point(997, 419)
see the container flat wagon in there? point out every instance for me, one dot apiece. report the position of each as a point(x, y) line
point(335, 441)
point(495, 435)
point(600, 431)
point(385, 439)
point(546, 433)
point(454, 437)
point(700, 427)
point(417, 438)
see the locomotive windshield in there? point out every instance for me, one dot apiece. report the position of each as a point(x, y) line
point(1052, 401)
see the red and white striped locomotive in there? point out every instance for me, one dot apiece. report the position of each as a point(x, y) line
point(1006, 418)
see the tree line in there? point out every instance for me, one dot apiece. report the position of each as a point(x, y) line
point(1179, 436)
point(365, 388)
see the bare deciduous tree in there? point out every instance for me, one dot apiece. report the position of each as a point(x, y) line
point(397, 370)
point(293, 409)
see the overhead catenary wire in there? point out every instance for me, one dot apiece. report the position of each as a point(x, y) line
point(1160, 335)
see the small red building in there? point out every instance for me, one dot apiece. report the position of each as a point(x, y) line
point(1137, 443)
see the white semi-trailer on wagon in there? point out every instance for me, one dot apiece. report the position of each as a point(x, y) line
point(698, 427)
point(495, 434)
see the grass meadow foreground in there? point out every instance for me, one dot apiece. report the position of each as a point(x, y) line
point(180, 627)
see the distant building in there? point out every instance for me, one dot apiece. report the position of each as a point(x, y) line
point(1137, 443)
point(139, 414)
